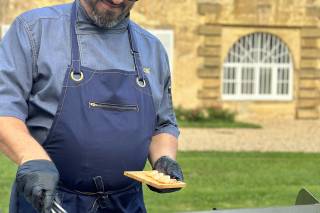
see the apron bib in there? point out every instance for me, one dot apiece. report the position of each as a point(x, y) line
point(103, 126)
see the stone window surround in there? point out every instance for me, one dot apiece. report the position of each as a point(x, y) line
point(305, 58)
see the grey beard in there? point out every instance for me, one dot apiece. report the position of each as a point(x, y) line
point(106, 20)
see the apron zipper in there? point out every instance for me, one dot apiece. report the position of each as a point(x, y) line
point(114, 107)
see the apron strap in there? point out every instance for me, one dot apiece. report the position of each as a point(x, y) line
point(135, 53)
point(102, 200)
point(75, 54)
point(61, 187)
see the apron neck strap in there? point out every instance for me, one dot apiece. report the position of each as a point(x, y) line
point(135, 53)
point(75, 54)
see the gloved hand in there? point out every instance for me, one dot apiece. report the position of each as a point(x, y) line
point(169, 167)
point(37, 181)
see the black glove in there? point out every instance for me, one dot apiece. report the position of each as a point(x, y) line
point(37, 181)
point(169, 167)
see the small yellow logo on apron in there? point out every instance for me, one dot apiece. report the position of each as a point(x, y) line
point(147, 70)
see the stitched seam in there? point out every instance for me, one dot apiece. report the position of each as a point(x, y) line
point(80, 44)
point(132, 72)
point(93, 73)
point(34, 22)
point(32, 44)
point(115, 72)
point(102, 68)
point(59, 111)
point(94, 33)
point(141, 32)
point(31, 24)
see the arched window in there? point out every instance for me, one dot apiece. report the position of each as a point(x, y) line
point(258, 67)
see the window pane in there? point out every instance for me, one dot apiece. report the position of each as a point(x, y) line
point(283, 81)
point(247, 80)
point(229, 84)
point(265, 81)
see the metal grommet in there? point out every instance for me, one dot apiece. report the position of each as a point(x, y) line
point(141, 82)
point(75, 78)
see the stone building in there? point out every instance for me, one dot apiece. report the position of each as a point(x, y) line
point(259, 58)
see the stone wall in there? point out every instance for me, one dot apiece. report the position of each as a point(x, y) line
point(293, 21)
point(309, 86)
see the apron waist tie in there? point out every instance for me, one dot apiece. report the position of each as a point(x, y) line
point(103, 197)
point(102, 200)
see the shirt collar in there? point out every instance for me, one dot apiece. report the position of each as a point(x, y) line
point(85, 24)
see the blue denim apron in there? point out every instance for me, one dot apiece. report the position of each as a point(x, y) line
point(103, 127)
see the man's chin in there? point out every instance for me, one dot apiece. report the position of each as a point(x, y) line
point(105, 22)
point(107, 18)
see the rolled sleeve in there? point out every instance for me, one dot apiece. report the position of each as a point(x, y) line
point(166, 119)
point(16, 65)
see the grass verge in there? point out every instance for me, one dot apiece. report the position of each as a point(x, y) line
point(223, 180)
point(7, 173)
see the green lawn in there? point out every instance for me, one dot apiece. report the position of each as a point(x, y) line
point(7, 173)
point(224, 180)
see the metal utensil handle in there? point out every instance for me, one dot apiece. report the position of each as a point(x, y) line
point(56, 208)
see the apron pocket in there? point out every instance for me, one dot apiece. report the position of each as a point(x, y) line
point(114, 107)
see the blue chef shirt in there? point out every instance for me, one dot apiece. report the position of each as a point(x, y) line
point(36, 51)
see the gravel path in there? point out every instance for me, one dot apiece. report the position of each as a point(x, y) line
point(283, 136)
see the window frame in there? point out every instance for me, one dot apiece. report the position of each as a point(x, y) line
point(169, 48)
point(286, 84)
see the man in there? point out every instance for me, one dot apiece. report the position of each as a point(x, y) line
point(77, 108)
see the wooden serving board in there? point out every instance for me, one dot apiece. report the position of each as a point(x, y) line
point(142, 177)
